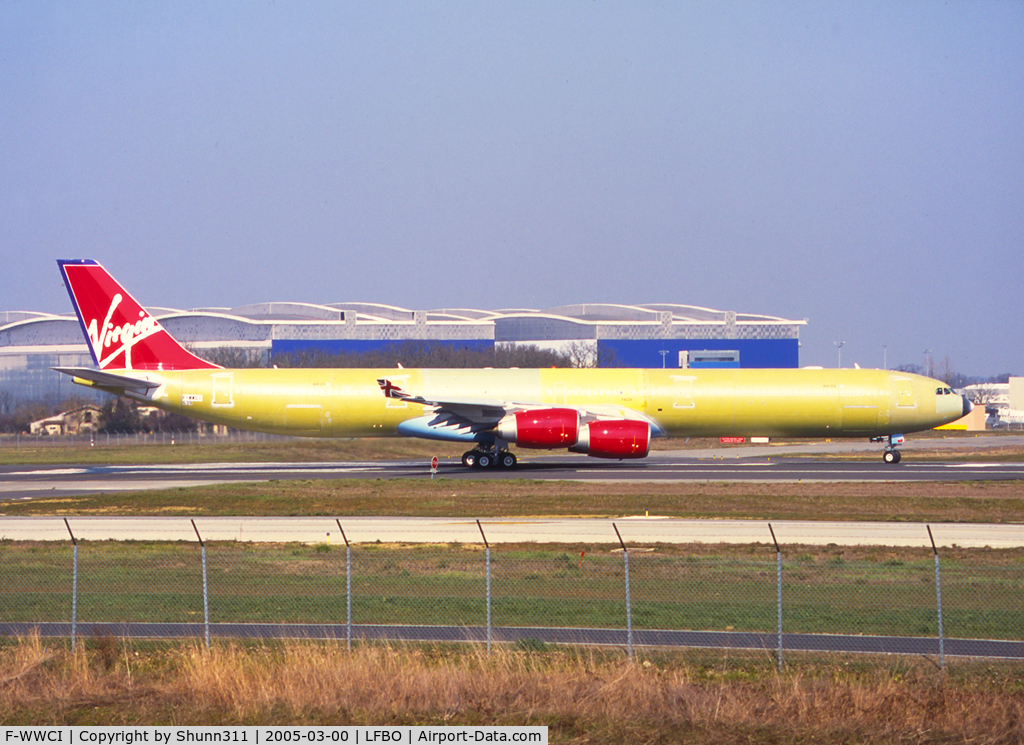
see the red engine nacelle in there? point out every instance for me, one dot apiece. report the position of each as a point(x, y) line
point(541, 428)
point(615, 438)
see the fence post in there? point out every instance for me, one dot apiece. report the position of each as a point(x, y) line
point(206, 597)
point(629, 606)
point(348, 586)
point(487, 548)
point(778, 585)
point(938, 600)
point(74, 586)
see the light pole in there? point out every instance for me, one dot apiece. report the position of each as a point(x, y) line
point(928, 362)
point(839, 346)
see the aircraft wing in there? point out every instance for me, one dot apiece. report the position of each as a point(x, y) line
point(108, 381)
point(475, 415)
point(390, 390)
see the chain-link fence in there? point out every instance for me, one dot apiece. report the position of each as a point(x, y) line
point(869, 599)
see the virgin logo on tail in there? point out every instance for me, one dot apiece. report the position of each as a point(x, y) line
point(128, 337)
point(128, 334)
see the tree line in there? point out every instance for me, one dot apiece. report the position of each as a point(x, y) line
point(416, 353)
point(413, 353)
point(944, 371)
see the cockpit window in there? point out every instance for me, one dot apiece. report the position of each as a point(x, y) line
point(943, 392)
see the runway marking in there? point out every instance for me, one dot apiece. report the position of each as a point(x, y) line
point(93, 487)
point(1008, 466)
point(51, 472)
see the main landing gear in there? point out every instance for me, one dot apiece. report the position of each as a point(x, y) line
point(891, 454)
point(484, 458)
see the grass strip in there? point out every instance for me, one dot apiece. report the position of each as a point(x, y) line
point(994, 502)
point(672, 588)
point(156, 449)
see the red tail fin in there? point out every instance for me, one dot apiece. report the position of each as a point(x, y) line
point(122, 335)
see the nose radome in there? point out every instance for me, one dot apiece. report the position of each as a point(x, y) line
point(968, 405)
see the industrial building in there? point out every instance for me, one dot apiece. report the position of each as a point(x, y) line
point(1002, 403)
point(622, 335)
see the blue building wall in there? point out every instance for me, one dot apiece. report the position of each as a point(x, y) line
point(754, 353)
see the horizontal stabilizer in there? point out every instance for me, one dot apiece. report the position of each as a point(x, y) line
point(109, 380)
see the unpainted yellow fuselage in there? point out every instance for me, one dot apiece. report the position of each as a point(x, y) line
point(775, 403)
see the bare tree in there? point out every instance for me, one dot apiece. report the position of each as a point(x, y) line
point(233, 357)
point(606, 357)
point(949, 376)
point(985, 393)
point(8, 422)
point(529, 355)
point(581, 354)
point(584, 354)
point(909, 368)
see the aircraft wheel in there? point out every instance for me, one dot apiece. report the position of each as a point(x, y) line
point(484, 460)
point(507, 460)
point(898, 456)
point(891, 456)
point(469, 458)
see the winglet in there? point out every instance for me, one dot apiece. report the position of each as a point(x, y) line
point(121, 334)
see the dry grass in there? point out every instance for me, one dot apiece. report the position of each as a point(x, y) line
point(582, 696)
point(277, 450)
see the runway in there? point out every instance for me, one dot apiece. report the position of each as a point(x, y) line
point(26, 482)
point(637, 531)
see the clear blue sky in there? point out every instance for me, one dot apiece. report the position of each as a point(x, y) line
point(858, 164)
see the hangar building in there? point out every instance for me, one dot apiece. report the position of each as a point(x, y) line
point(622, 335)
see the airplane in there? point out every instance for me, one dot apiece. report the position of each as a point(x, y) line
point(602, 412)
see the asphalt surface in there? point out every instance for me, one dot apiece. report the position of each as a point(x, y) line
point(26, 482)
point(504, 634)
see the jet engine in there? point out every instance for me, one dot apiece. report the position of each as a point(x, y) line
point(614, 438)
point(560, 428)
point(541, 428)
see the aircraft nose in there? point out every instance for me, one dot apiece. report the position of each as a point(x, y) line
point(968, 405)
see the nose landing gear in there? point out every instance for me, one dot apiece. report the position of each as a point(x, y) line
point(891, 454)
